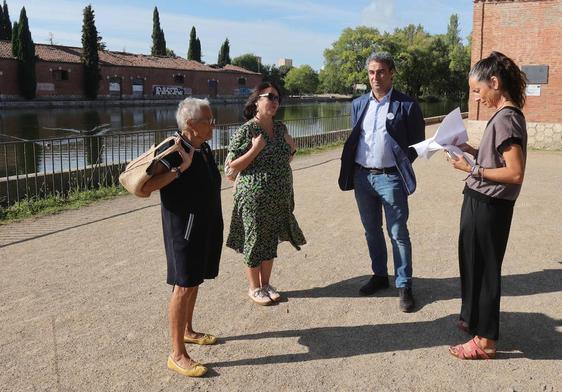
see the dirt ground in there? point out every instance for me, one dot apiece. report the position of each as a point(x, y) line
point(83, 298)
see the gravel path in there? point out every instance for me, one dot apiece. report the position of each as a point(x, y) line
point(83, 298)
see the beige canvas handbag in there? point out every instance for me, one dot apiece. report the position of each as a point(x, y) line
point(139, 170)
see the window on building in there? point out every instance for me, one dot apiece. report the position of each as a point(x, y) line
point(179, 79)
point(60, 74)
point(241, 81)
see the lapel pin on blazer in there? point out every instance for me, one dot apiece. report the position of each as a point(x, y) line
point(390, 116)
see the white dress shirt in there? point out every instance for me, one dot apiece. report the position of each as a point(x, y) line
point(374, 148)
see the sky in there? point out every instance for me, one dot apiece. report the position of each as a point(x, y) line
point(272, 29)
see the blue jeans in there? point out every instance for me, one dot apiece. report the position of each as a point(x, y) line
point(373, 192)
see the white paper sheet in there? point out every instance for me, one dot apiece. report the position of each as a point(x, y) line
point(455, 152)
point(451, 132)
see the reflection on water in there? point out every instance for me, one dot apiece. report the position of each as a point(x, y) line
point(59, 145)
point(33, 124)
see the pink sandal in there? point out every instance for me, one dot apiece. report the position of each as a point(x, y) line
point(473, 352)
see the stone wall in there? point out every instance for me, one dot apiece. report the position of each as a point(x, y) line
point(545, 136)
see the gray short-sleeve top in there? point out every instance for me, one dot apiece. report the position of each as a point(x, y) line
point(505, 128)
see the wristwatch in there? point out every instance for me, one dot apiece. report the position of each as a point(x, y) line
point(176, 170)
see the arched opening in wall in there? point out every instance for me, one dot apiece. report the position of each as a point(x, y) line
point(213, 86)
point(115, 87)
point(138, 87)
point(60, 74)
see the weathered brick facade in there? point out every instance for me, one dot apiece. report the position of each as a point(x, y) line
point(530, 32)
point(123, 76)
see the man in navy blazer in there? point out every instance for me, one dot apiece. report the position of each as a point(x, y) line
point(376, 163)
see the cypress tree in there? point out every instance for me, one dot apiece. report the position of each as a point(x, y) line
point(26, 58)
point(162, 43)
point(158, 40)
point(224, 54)
point(192, 43)
point(197, 50)
point(15, 40)
point(6, 23)
point(90, 56)
point(2, 25)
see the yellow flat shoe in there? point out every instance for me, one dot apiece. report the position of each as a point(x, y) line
point(197, 370)
point(206, 339)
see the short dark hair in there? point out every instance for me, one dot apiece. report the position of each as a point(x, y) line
point(250, 106)
point(381, 57)
point(512, 80)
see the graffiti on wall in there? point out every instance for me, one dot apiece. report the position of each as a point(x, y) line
point(170, 90)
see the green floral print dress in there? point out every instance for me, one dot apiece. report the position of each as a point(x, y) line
point(264, 200)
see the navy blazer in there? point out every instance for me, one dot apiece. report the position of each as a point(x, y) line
point(406, 128)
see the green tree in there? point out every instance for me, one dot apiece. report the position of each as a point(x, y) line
point(458, 61)
point(15, 41)
point(248, 61)
point(438, 68)
point(197, 56)
point(101, 44)
point(344, 62)
point(6, 23)
point(459, 67)
point(412, 56)
point(170, 53)
point(158, 40)
point(224, 54)
point(90, 55)
point(302, 80)
point(26, 58)
point(274, 74)
point(192, 50)
point(2, 35)
point(453, 38)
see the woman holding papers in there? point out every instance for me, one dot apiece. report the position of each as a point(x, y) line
point(492, 186)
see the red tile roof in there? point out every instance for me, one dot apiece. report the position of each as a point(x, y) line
point(69, 54)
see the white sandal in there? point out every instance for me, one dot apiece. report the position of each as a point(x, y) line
point(259, 296)
point(271, 292)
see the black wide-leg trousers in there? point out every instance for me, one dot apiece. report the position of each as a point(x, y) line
point(484, 231)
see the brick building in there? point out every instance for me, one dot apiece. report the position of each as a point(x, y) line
point(123, 75)
point(530, 32)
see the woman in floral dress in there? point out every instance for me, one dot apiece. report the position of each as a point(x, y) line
point(261, 151)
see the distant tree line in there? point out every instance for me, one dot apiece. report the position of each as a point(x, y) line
point(426, 64)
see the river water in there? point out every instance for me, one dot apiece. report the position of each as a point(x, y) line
point(33, 124)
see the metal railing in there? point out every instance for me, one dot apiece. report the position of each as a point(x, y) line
point(40, 168)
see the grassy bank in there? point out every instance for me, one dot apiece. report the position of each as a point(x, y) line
point(53, 204)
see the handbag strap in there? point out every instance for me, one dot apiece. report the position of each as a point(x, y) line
point(167, 151)
point(171, 149)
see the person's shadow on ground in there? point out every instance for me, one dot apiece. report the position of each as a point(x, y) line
point(429, 290)
point(528, 335)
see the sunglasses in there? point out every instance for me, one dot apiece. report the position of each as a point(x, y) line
point(270, 96)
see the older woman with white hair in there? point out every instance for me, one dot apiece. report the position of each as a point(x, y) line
point(189, 184)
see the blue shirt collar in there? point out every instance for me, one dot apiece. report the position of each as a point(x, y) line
point(384, 99)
